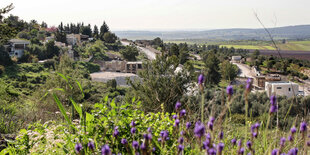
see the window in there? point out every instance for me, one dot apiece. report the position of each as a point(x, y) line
point(289, 89)
point(139, 66)
point(279, 87)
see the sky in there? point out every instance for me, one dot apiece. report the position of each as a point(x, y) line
point(165, 14)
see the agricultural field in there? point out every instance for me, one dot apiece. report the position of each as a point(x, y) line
point(253, 45)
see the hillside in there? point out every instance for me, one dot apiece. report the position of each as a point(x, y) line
point(288, 32)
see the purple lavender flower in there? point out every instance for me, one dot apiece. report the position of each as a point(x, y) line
point(174, 116)
point(274, 152)
point(293, 130)
point(308, 143)
point(200, 79)
point(229, 90)
point(254, 134)
point(303, 126)
point(290, 138)
point(206, 144)
point(211, 151)
point(188, 125)
point(273, 109)
point(273, 100)
point(154, 149)
point(181, 140)
point(180, 147)
point(149, 130)
point(116, 132)
point(257, 125)
point(159, 139)
point(133, 130)
point(210, 125)
point(176, 123)
point(143, 146)
point(220, 147)
point(282, 141)
point(249, 144)
point(241, 151)
point(132, 124)
point(199, 130)
point(147, 136)
point(208, 136)
point(221, 135)
point(91, 145)
point(164, 135)
point(233, 141)
point(182, 113)
point(105, 150)
point(293, 151)
point(182, 133)
point(212, 119)
point(78, 147)
point(240, 143)
point(178, 105)
point(253, 128)
point(248, 84)
point(135, 144)
point(124, 141)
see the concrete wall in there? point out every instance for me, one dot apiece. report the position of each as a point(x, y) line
point(282, 89)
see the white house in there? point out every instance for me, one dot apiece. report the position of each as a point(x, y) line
point(282, 88)
point(16, 47)
point(236, 58)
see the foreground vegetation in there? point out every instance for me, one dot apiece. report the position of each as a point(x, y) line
point(113, 127)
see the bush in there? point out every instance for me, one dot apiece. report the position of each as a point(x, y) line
point(2, 69)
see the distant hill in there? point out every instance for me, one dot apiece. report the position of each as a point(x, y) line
point(288, 32)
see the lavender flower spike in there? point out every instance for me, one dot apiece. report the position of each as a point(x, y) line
point(178, 105)
point(200, 79)
point(78, 147)
point(91, 145)
point(230, 90)
point(105, 150)
point(303, 126)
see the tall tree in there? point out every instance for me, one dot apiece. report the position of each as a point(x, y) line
point(213, 76)
point(86, 30)
point(43, 24)
point(96, 32)
point(103, 29)
point(174, 50)
point(5, 10)
point(228, 71)
point(61, 28)
point(130, 53)
point(109, 37)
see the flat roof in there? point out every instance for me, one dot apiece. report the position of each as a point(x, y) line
point(138, 62)
point(281, 82)
point(19, 41)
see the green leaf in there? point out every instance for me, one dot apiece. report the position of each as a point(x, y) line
point(77, 107)
point(62, 109)
point(80, 86)
point(65, 78)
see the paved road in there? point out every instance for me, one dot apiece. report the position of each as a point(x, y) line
point(244, 70)
point(150, 54)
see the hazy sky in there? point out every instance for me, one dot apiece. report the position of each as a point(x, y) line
point(165, 14)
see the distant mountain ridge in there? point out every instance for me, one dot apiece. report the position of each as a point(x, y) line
point(288, 32)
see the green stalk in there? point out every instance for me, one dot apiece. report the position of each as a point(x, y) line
point(202, 104)
point(266, 130)
point(246, 115)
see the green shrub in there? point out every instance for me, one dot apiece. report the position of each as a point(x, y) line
point(2, 69)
